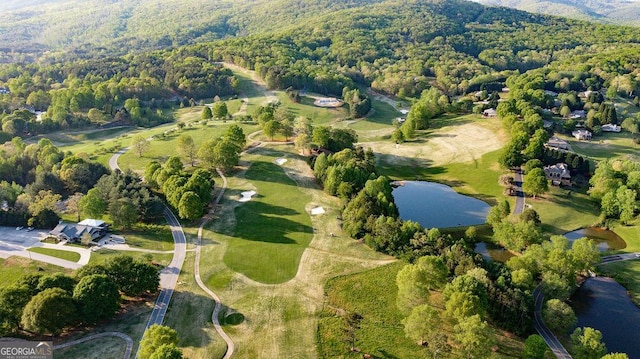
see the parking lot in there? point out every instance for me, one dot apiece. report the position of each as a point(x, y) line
point(18, 240)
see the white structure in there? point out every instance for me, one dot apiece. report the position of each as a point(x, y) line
point(582, 135)
point(317, 210)
point(611, 128)
point(490, 112)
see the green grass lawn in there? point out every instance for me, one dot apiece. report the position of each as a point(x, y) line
point(608, 145)
point(165, 145)
point(14, 268)
point(273, 229)
point(149, 236)
point(563, 210)
point(319, 115)
point(104, 254)
point(66, 255)
point(102, 348)
point(372, 294)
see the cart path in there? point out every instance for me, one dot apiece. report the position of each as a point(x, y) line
point(126, 338)
point(216, 299)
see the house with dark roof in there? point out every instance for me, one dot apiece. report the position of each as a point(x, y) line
point(559, 174)
point(558, 144)
point(73, 232)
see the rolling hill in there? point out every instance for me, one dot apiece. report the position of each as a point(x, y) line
point(608, 11)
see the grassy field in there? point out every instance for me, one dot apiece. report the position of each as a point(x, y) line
point(372, 294)
point(273, 229)
point(609, 145)
point(107, 348)
point(14, 268)
point(66, 255)
point(149, 236)
point(280, 319)
point(563, 210)
point(103, 254)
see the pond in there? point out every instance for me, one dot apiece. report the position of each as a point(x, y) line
point(604, 239)
point(437, 205)
point(492, 252)
point(603, 304)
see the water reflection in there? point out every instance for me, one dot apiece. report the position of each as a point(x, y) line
point(492, 252)
point(437, 205)
point(603, 304)
point(604, 239)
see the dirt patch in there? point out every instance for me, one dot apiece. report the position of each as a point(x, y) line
point(463, 143)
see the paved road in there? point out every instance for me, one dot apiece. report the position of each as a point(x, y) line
point(554, 344)
point(126, 338)
point(519, 208)
point(113, 161)
point(216, 299)
point(620, 257)
point(169, 275)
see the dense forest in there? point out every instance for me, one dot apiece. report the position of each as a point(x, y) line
point(607, 11)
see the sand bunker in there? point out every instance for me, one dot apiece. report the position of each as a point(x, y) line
point(317, 210)
point(328, 102)
point(281, 161)
point(246, 196)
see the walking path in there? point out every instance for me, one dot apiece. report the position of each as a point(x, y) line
point(216, 299)
point(126, 338)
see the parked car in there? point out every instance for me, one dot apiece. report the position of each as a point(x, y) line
point(29, 229)
point(19, 228)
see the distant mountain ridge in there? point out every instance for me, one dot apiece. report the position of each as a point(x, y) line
point(608, 11)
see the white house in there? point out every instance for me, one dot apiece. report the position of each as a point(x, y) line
point(609, 127)
point(582, 135)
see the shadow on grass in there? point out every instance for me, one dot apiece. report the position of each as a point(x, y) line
point(257, 221)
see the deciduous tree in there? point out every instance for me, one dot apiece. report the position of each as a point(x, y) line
point(97, 297)
point(49, 311)
point(154, 338)
point(140, 144)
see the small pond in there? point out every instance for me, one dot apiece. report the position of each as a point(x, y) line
point(437, 205)
point(604, 239)
point(492, 252)
point(603, 304)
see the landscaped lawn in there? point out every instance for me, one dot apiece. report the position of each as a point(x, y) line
point(66, 255)
point(563, 210)
point(273, 228)
point(14, 268)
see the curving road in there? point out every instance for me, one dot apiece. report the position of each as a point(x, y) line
point(554, 344)
point(196, 271)
point(169, 275)
point(126, 338)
